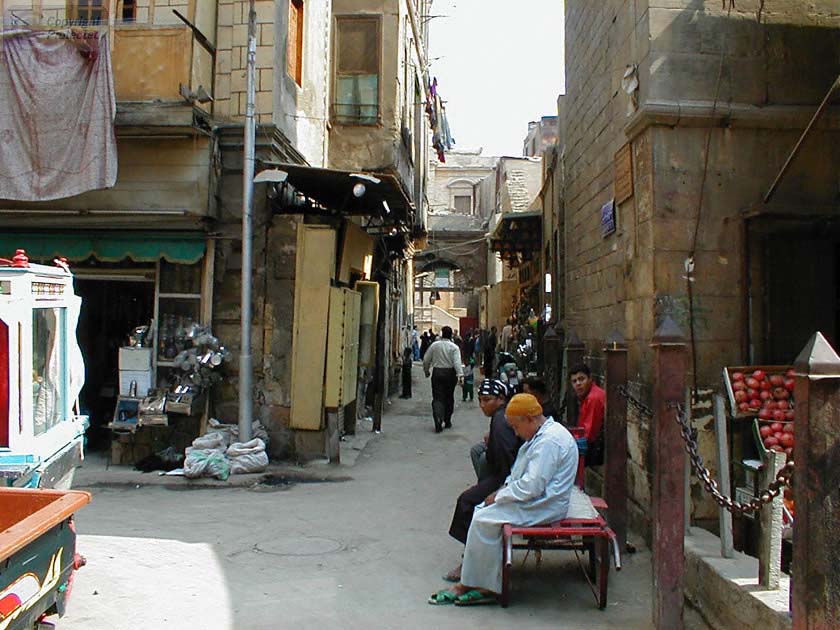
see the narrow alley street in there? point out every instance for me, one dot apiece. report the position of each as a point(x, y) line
point(360, 553)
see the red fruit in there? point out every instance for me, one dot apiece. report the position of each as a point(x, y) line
point(790, 414)
point(752, 393)
point(789, 450)
point(765, 385)
point(758, 375)
point(777, 426)
point(740, 397)
point(737, 376)
point(777, 380)
point(786, 440)
point(790, 373)
point(790, 384)
point(739, 386)
point(755, 403)
point(778, 415)
point(770, 441)
point(744, 407)
point(765, 431)
point(780, 393)
point(765, 395)
point(788, 428)
point(765, 414)
point(778, 448)
point(782, 404)
point(753, 383)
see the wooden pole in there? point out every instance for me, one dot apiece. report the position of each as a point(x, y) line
point(668, 472)
point(816, 579)
point(615, 438)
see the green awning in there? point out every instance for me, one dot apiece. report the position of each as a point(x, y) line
point(139, 246)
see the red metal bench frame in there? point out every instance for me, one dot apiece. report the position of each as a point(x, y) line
point(592, 535)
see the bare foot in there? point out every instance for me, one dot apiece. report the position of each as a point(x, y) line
point(454, 575)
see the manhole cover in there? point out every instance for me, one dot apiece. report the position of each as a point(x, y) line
point(303, 546)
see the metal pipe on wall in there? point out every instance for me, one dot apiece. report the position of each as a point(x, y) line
point(245, 360)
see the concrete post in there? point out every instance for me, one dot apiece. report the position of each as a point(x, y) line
point(668, 471)
point(816, 580)
point(615, 437)
point(770, 543)
point(575, 349)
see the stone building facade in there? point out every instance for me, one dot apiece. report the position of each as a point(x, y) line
point(709, 103)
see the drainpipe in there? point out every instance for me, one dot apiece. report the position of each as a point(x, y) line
point(246, 388)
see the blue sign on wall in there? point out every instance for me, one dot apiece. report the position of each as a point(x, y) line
point(608, 218)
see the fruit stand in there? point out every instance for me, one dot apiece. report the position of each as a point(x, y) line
point(761, 398)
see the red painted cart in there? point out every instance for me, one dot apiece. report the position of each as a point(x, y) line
point(584, 530)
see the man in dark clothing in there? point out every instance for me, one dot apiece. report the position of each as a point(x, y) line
point(536, 386)
point(502, 446)
point(489, 349)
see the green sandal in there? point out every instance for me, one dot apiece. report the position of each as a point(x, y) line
point(443, 597)
point(475, 598)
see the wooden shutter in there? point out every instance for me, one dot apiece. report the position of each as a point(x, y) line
point(294, 53)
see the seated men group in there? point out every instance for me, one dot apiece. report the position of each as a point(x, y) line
point(526, 470)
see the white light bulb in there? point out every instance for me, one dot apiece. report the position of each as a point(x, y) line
point(359, 190)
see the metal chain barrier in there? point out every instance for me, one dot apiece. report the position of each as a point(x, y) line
point(637, 404)
point(689, 435)
point(783, 478)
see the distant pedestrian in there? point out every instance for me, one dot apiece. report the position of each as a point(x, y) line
point(443, 363)
point(406, 373)
point(489, 350)
point(425, 342)
point(415, 343)
point(469, 380)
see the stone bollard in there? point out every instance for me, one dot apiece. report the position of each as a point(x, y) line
point(816, 578)
point(770, 543)
point(615, 437)
point(668, 487)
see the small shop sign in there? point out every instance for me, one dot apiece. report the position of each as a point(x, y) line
point(608, 218)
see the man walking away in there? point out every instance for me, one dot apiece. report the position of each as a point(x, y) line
point(443, 363)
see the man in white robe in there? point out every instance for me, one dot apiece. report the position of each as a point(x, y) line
point(536, 492)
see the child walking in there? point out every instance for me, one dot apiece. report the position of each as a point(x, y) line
point(469, 379)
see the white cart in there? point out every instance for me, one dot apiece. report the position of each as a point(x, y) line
point(41, 375)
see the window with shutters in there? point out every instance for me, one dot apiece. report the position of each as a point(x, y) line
point(128, 10)
point(357, 67)
point(463, 204)
point(88, 11)
point(294, 53)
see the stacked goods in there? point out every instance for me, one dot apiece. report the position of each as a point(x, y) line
point(768, 396)
point(777, 436)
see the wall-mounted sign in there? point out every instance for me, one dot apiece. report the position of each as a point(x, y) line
point(608, 218)
point(623, 165)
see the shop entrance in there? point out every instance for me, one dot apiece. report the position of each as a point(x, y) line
point(798, 291)
point(113, 303)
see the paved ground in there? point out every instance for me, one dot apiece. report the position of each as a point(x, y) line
point(361, 553)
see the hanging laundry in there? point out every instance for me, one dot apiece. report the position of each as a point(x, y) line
point(57, 108)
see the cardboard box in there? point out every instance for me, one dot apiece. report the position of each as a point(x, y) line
point(136, 359)
point(142, 377)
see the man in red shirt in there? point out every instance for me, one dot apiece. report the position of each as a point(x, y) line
point(592, 401)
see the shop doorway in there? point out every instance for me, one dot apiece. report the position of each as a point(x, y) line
point(799, 293)
point(113, 305)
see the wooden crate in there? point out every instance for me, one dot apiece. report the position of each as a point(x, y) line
point(747, 370)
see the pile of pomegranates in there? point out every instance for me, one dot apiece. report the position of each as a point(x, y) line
point(768, 396)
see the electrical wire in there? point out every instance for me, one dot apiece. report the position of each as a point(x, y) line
point(690, 262)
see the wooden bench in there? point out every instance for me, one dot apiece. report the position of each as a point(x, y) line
point(584, 529)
